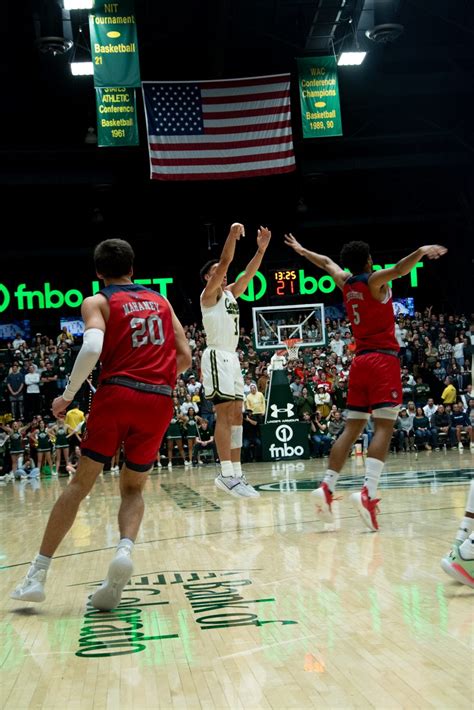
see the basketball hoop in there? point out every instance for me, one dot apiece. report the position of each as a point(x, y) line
point(292, 346)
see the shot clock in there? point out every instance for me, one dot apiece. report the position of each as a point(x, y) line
point(285, 282)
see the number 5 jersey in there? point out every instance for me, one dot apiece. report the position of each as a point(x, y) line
point(373, 322)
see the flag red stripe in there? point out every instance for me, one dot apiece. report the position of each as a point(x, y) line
point(251, 81)
point(223, 175)
point(243, 98)
point(224, 160)
point(229, 145)
point(273, 111)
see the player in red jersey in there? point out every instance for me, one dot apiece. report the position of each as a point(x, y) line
point(142, 345)
point(374, 379)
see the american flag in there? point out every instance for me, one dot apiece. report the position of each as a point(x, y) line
point(216, 130)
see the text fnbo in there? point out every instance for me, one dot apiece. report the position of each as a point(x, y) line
point(25, 299)
point(284, 434)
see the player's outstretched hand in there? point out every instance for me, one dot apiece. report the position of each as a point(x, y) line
point(433, 251)
point(237, 230)
point(291, 242)
point(263, 237)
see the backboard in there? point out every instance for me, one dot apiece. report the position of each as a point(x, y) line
point(274, 324)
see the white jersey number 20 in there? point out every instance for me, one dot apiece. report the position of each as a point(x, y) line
point(145, 330)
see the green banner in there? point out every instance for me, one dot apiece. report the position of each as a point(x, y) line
point(319, 97)
point(116, 117)
point(114, 44)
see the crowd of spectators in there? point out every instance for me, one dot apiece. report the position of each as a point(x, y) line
point(436, 360)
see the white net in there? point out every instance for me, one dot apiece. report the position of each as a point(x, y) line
point(292, 346)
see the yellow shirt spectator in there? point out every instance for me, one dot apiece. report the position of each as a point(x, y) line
point(449, 394)
point(255, 400)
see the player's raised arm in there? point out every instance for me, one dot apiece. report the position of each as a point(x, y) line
point(217, 274)
point(323, 262)
point(263, 239)
point(379, 279)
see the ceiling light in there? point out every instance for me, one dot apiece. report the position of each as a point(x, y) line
point(78, 4)
point(81, 60)
point(82, 68)
point(351, 59)
point(54, 45)
point(383, 34)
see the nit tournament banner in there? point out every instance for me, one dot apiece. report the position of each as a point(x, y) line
point(114, 44)
point(319, 97)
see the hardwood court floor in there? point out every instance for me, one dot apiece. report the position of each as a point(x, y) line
point(246, 604)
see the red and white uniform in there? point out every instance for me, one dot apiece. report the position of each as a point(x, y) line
point(374, 378)
point(139, 346)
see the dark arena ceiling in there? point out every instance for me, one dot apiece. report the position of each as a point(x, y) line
point(402, 169)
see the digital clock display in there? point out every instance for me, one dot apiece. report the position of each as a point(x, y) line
point(285, 275)
point(285, 282)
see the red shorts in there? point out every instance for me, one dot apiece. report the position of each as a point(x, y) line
point(374, 381)
point(122, 414)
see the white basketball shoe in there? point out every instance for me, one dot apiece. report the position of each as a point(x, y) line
point(108, 596)
point(31, 589)
point(236, 486)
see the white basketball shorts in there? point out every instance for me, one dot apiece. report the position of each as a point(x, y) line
point(221, 375)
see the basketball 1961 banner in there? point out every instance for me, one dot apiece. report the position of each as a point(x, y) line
point(116, 117)
point(114, 44)
point(319, 97)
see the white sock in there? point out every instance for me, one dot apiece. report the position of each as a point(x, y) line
point(373, 470)
point(42, 562)
point(330, 479)
point(126, 542)
point(467, 548)
point(470, 498)
point(237, 468)
point(227, 469)
point(465, 527)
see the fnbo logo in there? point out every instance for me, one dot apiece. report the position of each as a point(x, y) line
point(46, 297)
point(26, 299)
point(252, 293)
point(4, 298)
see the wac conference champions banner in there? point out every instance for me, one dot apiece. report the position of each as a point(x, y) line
point(319, 97)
